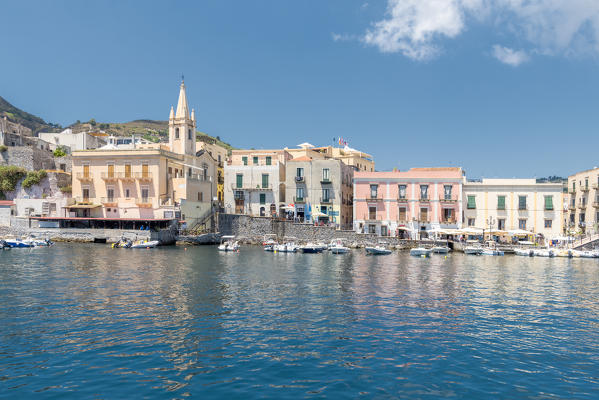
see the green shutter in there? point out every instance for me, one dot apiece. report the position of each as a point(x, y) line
point(501, 202)
point(268, 160)
point(239, 181)
point(245, 160)
point(262, 198)
point(471, 202)
point(264, 181)
point(548, 202)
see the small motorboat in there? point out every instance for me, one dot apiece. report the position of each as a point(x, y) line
point(289, 247)
point(123, 243)
point(145, 244)
point(4, 245)
point(491, 252)
point(227, 244)
point(589, 254)
point(35, 242)
point(336, 247)
point(421, 252)
point(544, 253)
point(378, 250)
point(441, 250)
point(473, 250)
point(18, 243)
point(312, 248)
point(524, 252)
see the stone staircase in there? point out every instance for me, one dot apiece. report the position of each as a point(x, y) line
point(587, 242)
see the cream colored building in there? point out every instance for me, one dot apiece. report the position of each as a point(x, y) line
point(583, 202)
point(359, 160)
point(514, 204)
point(151, 181)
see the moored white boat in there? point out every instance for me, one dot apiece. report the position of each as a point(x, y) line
point(144, 244)
point(17, 243)
point(285, 248)
point(312, 248)
point(491, 252)
point(544, 253)
point(524, 252)
point(589, 254)
point(441, 249)
point(421, 252)
point(473, 250)
point(227, 244)
point(336, 247)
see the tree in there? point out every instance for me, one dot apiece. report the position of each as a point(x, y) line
point(92, 122)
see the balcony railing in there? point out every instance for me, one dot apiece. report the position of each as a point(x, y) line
point(370, 218)
point(111, 176)
point(582, 206)
point(127, 176)
point(198, 177)
point(326, 200)
point(448, 199)
point(324, 181)
point(143, 176)
point(83, 200)
point(501, 208)
point(595, 186)
point(299, 199)
point(596, 204)
point(548, 208)
point(108, 201)
point(234, 186)
point(522, 208)
point(571, 191)
point(144, 202)
point(299, 178)
point(402, 199)
point(424, 199)
point(448, 221)
point(571, 207)
point(584, 189)
point(82, 176)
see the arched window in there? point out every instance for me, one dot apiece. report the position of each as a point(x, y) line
point(189, 134)
point(176, 133)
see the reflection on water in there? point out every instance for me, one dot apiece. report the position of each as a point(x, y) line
point(87, 321)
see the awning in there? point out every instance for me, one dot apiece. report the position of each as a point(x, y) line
point(403, 228)
point(520, 232)
point(84, 206)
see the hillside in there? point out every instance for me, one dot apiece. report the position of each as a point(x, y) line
point(14, 114)
point(152, 130)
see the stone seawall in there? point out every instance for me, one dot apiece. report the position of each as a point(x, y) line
point(253, 229)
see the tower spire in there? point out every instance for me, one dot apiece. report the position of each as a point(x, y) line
point(182, 108)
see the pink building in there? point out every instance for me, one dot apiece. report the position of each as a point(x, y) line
point(408, 203)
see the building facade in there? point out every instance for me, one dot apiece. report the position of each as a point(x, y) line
point(146, 181)
point(320, 191)
point(582, 215)
point(220, 154)
point(74, 141)
point(254, 182)
point(407, 204)
point(514, 205)
point(356, 159)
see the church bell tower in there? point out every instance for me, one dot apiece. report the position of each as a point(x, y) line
point(182, 126)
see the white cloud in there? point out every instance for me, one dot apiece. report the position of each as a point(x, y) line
point(510, 56)
point(552, 27)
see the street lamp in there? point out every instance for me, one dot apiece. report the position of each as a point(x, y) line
point(490, 221)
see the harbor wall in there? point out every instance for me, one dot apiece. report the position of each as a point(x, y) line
point(250, 229)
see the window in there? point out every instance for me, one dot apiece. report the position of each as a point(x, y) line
point(110, 193)
point(127, 193)
point(238, 195)
point(548, 223)
point(372, 213)
point(549, 203)
point(402, 191)
point(501, 202)
point(582, 218)
point(471, 203)
point(111, 170)
point(85, 194)
point(371, 228)
point(145, 170)
point(424, 214)
point(521, 202)
point(325, 174)
point(189, 134)
point(145, 193)
point(522, 224)
point(300, 173)
point(374, 191)
point(471, 221)
point(200, 196)
point(255, 160)
point(586, 183)
point(574, 186)
point(189, 172)
point(245, 160)
point(384, 231)
point(326, 196)
point(262, 198)
point(264, 181)
point(239, 181)
point(448, 215)
point(299, 193)
point(447, 191)
point(268, 160)
point(423, 192)
point(176, 133)
point(501, 224)
point(402, 214)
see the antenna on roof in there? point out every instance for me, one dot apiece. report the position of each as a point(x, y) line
point(182, 78)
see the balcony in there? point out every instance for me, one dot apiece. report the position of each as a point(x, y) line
point(448, 199)
point(110, 176)
point(548, 208)
point(373, 198)
point(299, 179)
point(198, 177)
point(108, 201)
point(326, 200)
point(402, 199)
point(83, 200)
point(424, 199)
point(501, 208)
point(582, 206)
point(143, 176)
point(234, 186)
point(144, 202)
point(299, 199)
point(595, 186)
point(325, 181)
point(572, 207)
point(84, 177)
point(370, 218)
point(127, 176)
point(596, 204)
point(571, 191)
point(522, 208)
point(584, 189)
point(448, 221)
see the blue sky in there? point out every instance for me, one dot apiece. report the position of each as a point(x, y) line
point(503, 88)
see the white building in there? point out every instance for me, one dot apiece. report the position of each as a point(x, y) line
point(514, 204)
point(74, 141)
point(255, 182)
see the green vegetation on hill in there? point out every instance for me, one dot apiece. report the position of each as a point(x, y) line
point(36, 124)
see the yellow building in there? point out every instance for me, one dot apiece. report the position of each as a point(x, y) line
point(220, 154)
point(147, 181)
